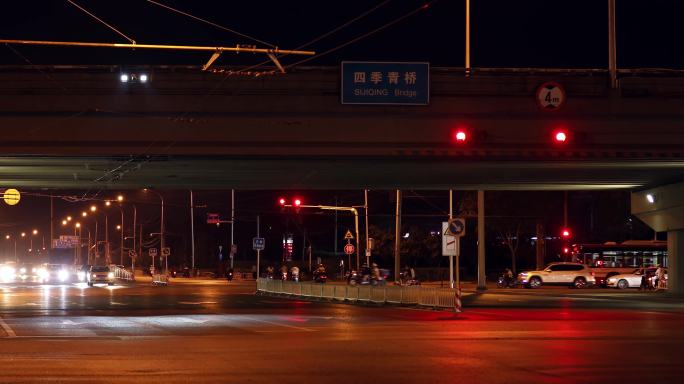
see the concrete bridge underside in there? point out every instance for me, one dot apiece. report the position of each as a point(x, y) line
point(79, 127)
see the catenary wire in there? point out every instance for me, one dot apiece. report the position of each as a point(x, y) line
point(101, 21)
point(210, 23)
point(374, 31)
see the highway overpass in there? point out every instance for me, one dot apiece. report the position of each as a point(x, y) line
point(80, 127)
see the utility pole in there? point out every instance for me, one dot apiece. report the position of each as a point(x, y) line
point(52, 222)
point(259, 251)
point(232, 224)
point(365, 210)
point(192, 231)
point(397, 235)
point(467, 39)
point(612, 50)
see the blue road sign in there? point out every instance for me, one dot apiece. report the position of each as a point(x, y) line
point(385, 83)
point(258, 243)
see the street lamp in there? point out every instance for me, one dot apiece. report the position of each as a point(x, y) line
point(161, 232)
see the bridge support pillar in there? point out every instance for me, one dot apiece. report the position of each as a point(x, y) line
point(481, 277)
point(662, 209)
point(675, 267)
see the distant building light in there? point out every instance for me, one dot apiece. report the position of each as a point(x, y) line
point(124, 78)
point(143, 78)
point(650, 198)
point(406, 235)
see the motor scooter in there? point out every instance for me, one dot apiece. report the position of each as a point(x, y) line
point(320, 277)
point(506, 282)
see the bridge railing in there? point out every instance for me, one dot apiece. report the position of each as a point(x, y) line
point(382, 294)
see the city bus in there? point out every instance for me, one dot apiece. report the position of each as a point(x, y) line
point(611, 258)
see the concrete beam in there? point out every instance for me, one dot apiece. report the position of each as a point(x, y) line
point(661, 208)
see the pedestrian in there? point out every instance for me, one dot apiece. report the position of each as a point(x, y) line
point(659, 278)
point(644, 282)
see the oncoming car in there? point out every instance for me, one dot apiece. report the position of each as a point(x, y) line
point(100, 274)
point(571, 274)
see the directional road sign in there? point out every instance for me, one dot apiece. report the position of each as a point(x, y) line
point(258, 243)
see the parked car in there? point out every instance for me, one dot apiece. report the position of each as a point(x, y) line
point(632, 280)
point(571, 274)
point(100, 274)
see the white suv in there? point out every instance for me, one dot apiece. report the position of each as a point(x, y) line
point(571, 274)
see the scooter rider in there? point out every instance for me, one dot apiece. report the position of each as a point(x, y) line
point(294, 272)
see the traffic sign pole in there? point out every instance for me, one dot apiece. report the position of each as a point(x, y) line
point(258, 250)
point(451, 216)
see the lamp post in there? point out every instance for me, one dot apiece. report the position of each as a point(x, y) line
point(161, 231)
point(9, 237)
point(77, 261)
point(121, 228)
point(34, 232)
point(93, 210)
point(108, 255)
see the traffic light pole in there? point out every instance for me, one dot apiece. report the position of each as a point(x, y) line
point(335, 208)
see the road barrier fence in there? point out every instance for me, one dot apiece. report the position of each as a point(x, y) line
point(122, 273)
point(380, 294)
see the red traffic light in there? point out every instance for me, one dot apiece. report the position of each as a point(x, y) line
point(566, 250)
point(297, 202)
point(565, 233)
point(560, 136)
point(282, 201)
point(460, 136)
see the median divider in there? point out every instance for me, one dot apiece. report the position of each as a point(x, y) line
point(446, 298)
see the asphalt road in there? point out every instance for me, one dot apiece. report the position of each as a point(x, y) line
point(208, 333)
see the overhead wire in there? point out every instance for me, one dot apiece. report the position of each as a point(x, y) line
point(372, 32)
point(101, 21)
point(30, 63)
point(324, 35)
point(210, 23)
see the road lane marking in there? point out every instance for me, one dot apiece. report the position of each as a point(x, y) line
point(5, 327)
point(197, 302)
point(280, 324)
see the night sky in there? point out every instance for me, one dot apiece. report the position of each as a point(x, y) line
point(525, 33)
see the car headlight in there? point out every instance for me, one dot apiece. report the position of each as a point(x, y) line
point(110, 275)
point(612, 280)
point(22, 270)
point(7, 273)
point(523, 274)
point(43, 273)
point(63, 275)
point(94, 275)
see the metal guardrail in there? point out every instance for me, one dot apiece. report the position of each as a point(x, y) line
point(122, 273)
point(391, 294)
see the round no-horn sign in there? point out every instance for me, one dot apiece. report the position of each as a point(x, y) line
point(349, 249)
point(550, 96)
